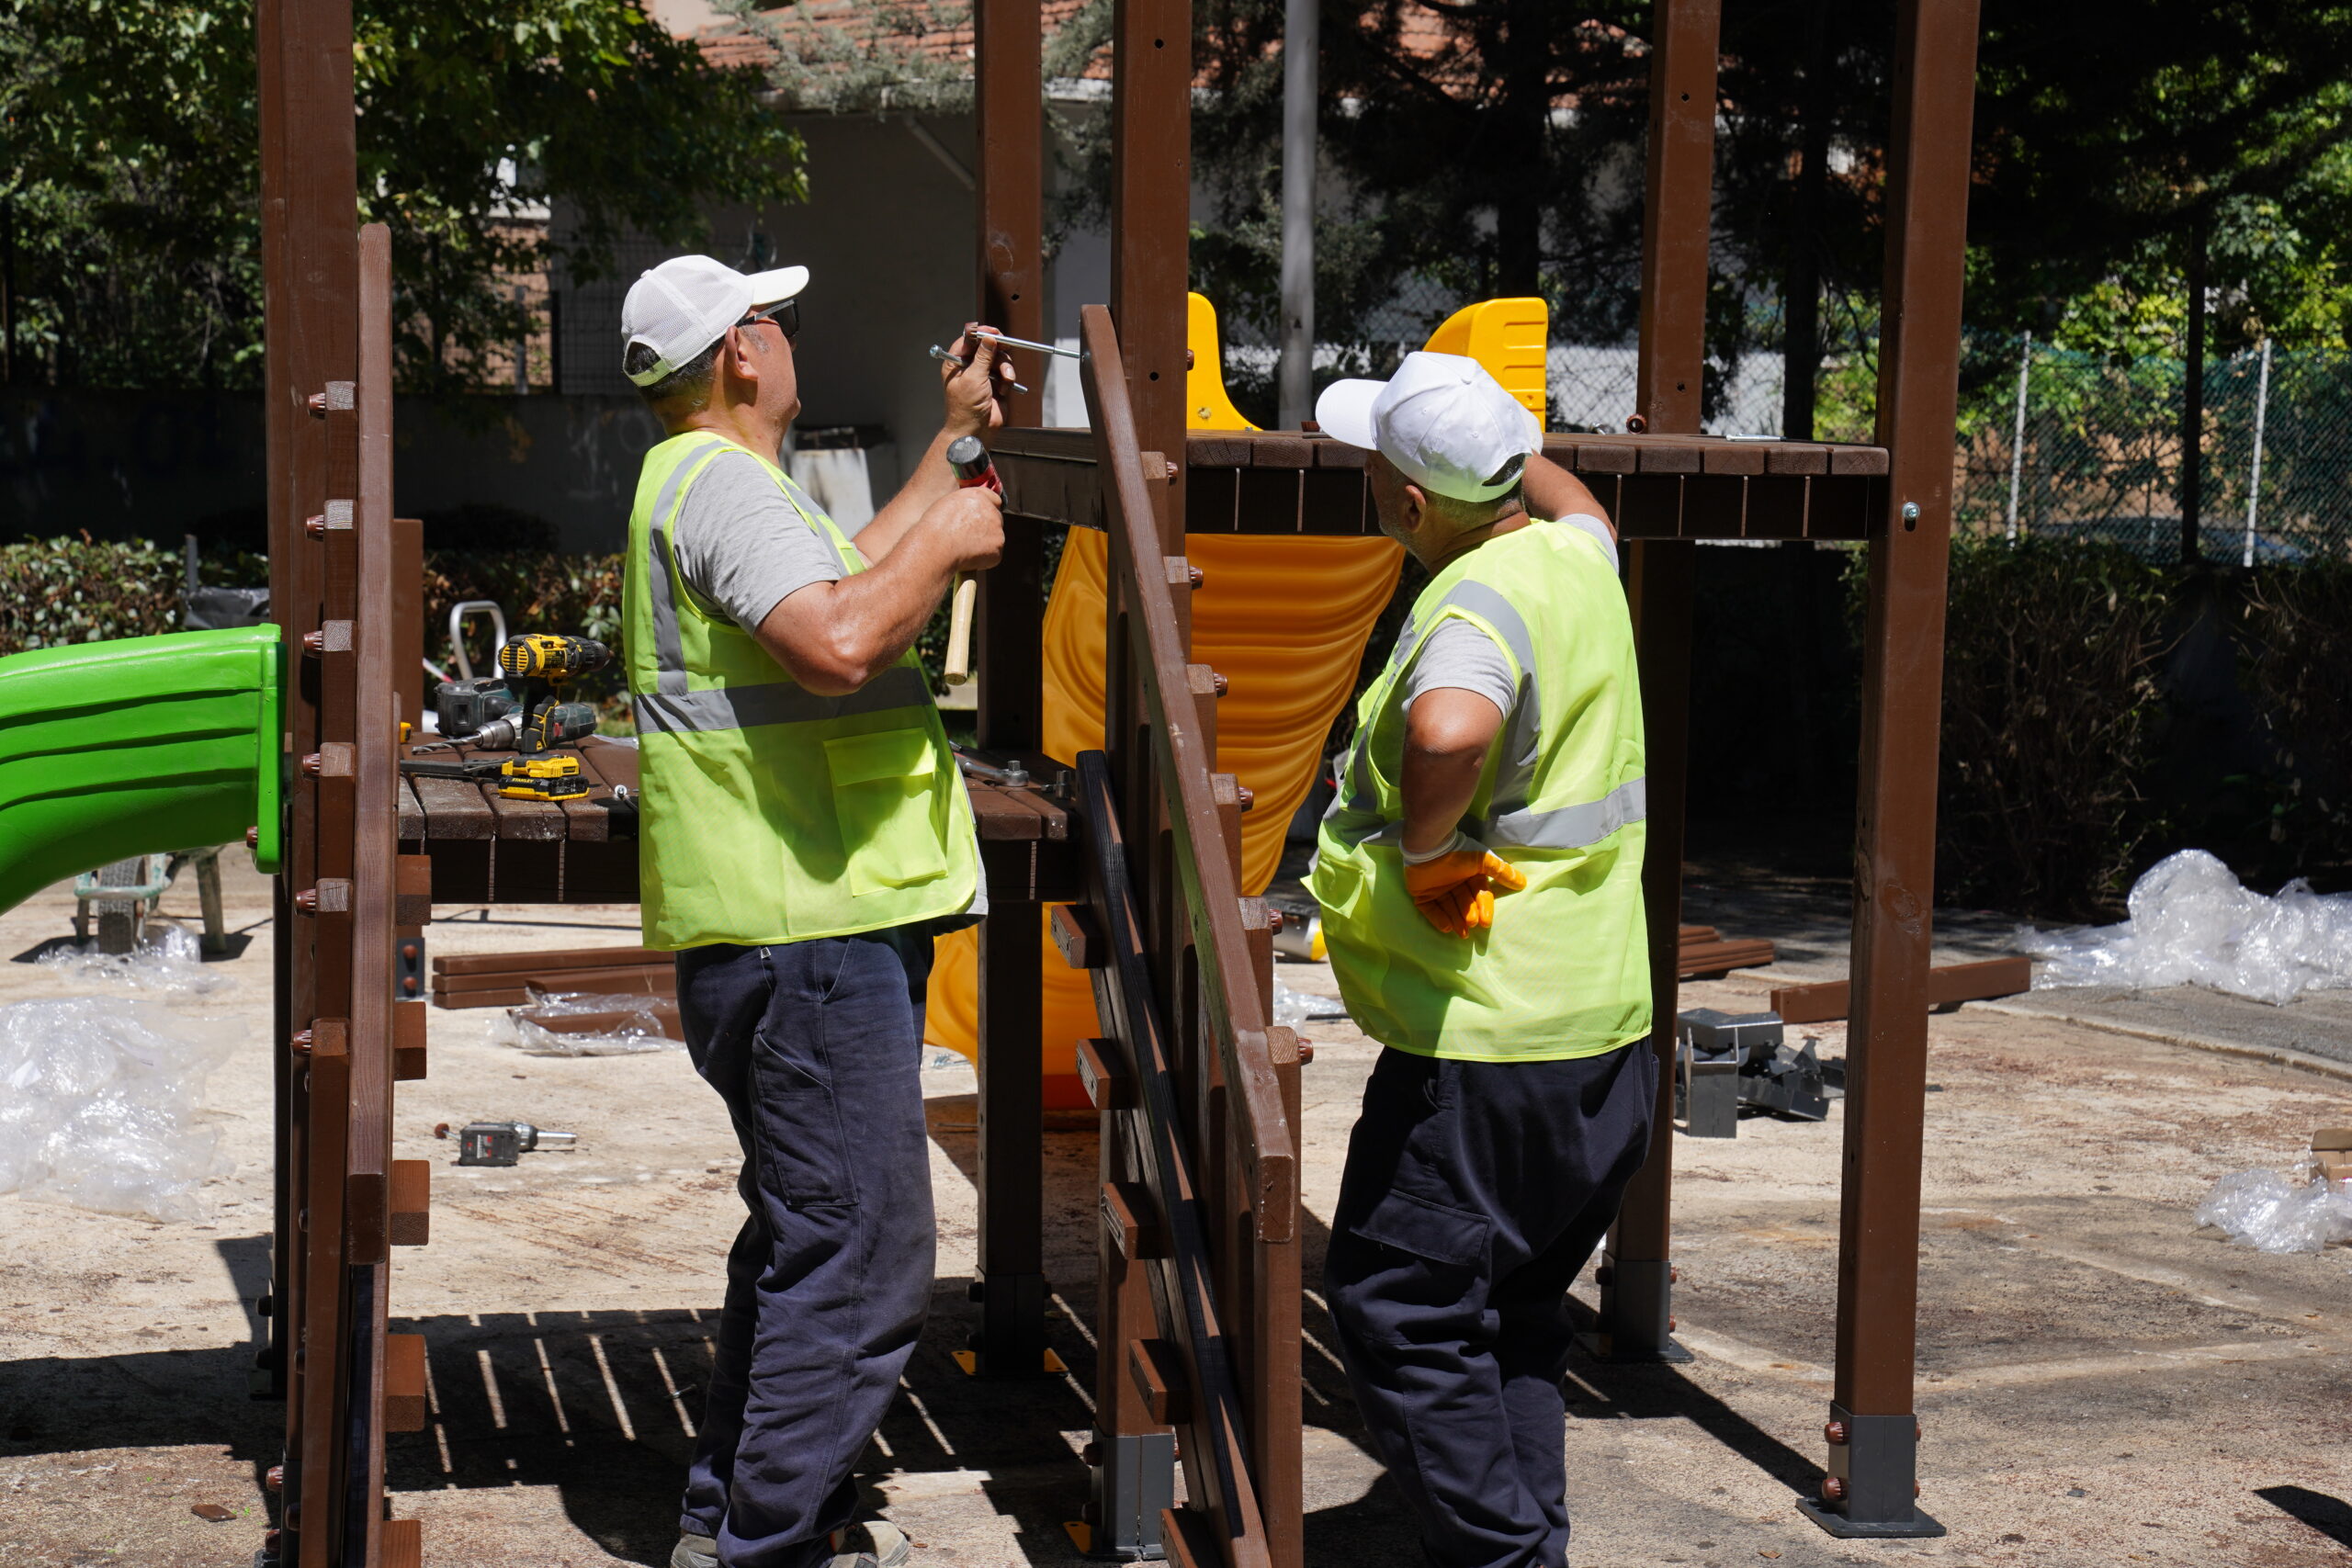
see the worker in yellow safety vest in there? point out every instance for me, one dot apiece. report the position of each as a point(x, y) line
point(804, 835)
point(1480, 874)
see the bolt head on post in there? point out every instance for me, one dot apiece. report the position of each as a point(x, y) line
point(314, 643)
point(317, 403)
point(307, 900)
point(303, 1041)
point(1834, 1434)
point(1833, 1489)
point(313, 764)
point(315, 527)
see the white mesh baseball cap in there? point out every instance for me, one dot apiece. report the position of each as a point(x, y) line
point(1442, 419)
point(688, 303)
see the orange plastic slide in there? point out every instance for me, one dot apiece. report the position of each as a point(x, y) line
point(1284, 619)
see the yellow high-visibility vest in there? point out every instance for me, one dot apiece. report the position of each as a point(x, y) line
point(772, 814)
point(1564, 970)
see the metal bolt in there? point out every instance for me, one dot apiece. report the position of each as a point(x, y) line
point(253, 838)
point(313, 764)
point(275, 1479)
point(1220, 684)
point(1833, 1489)
point(1670, 1326)
point(1834, 1434)
point(314, 642)
point(1195, 575)
point(1275, 921)
point(1604, 1275)
point(316, 527)
point(1188, 359)
point(1091, 1455)
point(302, 1042)
point(1636, 424)
point(1915, 1489)
point(408, 984)
point(1305, 1051)
point(307, 900)
point(1673, 1276)
point(1910, 514)
point(317, 403)
point(1248, 796)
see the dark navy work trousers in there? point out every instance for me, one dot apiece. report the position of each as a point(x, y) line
point(816, 1049)
point(1474, 1193)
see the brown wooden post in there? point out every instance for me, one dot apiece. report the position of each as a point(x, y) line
point(1873, 1444)
point(1150, 200)
point(1636, 1292)
point(310, 227)
point(1009, 112)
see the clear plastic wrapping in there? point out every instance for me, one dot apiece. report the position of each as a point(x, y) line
point(635, 1025)
point(168, 958)
point(2193, 924)
point(2280, 1214)
point(100, 1102)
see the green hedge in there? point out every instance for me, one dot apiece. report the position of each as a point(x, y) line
point(58, 592)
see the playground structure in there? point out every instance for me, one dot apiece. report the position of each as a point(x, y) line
point(1134, 839)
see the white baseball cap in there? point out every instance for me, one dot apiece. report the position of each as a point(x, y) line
point(1442, 419)
point(688, 303)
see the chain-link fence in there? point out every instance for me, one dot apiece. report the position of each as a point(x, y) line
point(2052, 442)
point(2082, 446)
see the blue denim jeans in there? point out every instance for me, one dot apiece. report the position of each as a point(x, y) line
point(816, 1049)
point(1473, 1194)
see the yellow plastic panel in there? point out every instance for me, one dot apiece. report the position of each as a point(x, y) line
point(1507, 336)
point(1206, 407)
point(1283, 619)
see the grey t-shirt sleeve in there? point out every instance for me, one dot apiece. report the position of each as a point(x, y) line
point(1598, 529)
point(1461, 655)
point(741, 545)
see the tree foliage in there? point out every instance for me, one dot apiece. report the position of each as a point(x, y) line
point(130, 159)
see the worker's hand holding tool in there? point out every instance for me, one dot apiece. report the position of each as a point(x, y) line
point(974, 372)
point(975, 470)
point(1455, 890)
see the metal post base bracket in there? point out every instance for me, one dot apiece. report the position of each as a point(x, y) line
point(1919, 1527)
point(1872, 1490)
point(1135, 1478)
point(1636, 1320)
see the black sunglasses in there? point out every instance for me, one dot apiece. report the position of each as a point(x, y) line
point(787, 316)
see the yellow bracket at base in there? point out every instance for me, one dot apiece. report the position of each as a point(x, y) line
point(970, 1362)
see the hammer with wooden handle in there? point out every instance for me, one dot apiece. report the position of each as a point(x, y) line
point(973, 466)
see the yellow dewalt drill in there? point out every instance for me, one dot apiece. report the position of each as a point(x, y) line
point(538, 665)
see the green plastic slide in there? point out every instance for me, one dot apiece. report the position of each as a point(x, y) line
point(138, 746)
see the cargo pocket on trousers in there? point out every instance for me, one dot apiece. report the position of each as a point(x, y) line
point(803, 1153)
point(882, 800)
point(1431, 1271)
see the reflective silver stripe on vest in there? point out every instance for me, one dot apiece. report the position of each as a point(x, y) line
point(779, 701)
point(669, 648)
point(1571, 826)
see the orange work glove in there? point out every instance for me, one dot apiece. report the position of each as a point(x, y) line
point(1455, 891)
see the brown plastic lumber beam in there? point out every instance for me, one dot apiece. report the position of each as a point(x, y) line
point(1947, 986)
point(309, 230)
point(1696, 958)
point(1871, 1483)
point(1636, 1318)
point(1183, 1289)
point(1246, 1055)
point(1008, 40)
point(1151, 81)
point(374, 1394)
point(1009, 96)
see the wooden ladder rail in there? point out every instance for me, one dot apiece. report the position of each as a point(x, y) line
point(1226, 1185)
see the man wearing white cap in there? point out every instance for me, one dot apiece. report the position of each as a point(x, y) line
point(804, 835)
point(1480, 875)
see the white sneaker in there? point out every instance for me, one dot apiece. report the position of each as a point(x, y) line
point(874, 1543)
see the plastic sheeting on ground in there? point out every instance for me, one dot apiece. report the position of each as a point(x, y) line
point(99, 1103)
point(2193, 924)
point(2280, 1214)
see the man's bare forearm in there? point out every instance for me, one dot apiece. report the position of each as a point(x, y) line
point(930, 480)
point(833, 637)
point(1553, 492)
point(1447, 732)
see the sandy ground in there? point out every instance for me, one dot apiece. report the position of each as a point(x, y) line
point(2101, 1384)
